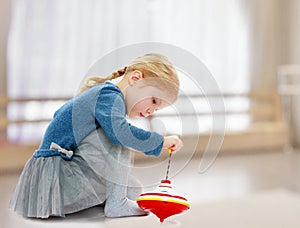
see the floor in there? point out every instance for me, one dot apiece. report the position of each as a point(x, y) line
point(245, 190)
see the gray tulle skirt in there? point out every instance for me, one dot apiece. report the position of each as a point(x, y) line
point(52, 186)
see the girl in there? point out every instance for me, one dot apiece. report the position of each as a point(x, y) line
point(84, 158)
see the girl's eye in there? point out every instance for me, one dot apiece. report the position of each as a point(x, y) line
point(153, 101)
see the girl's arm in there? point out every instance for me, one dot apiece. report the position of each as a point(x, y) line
point(110, 112)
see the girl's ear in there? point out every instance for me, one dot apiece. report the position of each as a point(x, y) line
point(135, 76)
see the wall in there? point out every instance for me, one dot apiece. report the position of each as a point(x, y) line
point(4, 26)
point(293, 52)
point(293, 31)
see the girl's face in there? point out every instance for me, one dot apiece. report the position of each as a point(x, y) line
point(143, 100)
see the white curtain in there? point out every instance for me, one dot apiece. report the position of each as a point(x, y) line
point(53, 42)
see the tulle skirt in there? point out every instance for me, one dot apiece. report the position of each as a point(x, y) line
point(52, 186)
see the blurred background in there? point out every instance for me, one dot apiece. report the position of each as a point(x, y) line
point(251, 47)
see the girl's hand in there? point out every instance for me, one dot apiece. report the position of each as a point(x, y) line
point(172, 142)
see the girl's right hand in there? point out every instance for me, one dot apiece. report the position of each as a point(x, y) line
point(172, 142)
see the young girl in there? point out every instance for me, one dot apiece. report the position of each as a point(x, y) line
point(84, 157)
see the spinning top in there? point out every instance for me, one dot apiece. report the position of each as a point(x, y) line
point(163, 202)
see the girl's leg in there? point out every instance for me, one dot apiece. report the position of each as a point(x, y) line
point(111, 163)
point(117, 203)
point(134, 188)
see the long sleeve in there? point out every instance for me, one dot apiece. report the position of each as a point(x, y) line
point(110, 112)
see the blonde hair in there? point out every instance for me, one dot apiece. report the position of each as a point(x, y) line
point(153, 66)
point(95, 80)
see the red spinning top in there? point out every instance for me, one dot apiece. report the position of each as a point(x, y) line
point(163, 202)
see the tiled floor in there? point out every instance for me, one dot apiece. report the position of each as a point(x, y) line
point(233, 184)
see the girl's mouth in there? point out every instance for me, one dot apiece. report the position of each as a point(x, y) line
point(141, 115)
